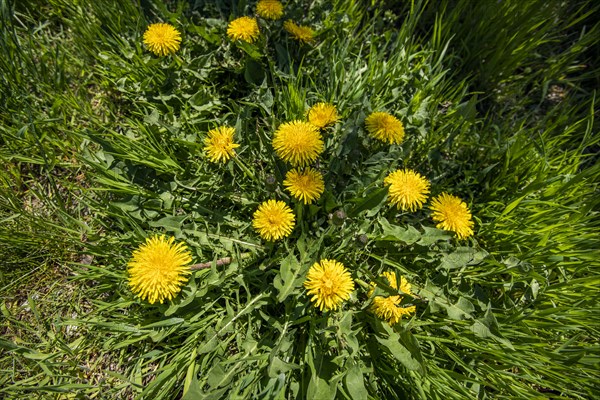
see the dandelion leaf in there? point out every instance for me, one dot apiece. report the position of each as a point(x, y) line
point(355, 384)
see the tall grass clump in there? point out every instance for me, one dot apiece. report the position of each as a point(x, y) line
point(301, 200)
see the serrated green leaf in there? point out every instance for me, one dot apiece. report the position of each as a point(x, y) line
point(433, 235)
point(170, 223)
point(408, 235)
point(462, 257)
point(463, 309)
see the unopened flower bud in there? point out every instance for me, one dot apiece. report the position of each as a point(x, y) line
point(270, 183)
point(361, 240)
point(338, 217)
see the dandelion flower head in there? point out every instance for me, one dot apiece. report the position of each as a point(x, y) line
point(219, 144)
point(298, 143)
point(304, 185)
point(243, 28)
point(322, 114)
point(273, 220)
point(452, 214)
point(158, 269)
point(299, 32)
point(385, 127)
point(388, 307)
point(329, 283)
point(162, 39)
point(408, 189)
point(269, 9)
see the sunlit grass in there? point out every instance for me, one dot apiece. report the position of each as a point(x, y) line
point(103, 146)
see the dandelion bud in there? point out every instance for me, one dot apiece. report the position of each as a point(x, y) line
point(270, 183)
point(361, 240)
point(338, 217)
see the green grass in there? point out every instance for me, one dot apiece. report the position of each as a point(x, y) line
point(102, 144)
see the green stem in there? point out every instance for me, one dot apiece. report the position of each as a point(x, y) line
point(362, 283)
point(299, 211)
point(248, 173)
point(178, 60)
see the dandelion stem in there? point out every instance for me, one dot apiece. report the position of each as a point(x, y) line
point(362, 283)
point(245, 169)
point(299, 210)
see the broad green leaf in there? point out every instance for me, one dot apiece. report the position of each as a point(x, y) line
point(412, 345)
point(433, 235)
point(400, 352)
point(468, 109)
point(408, 235)
point(345, 324)
point(171, 223)
point(152, 118)
point(278, 367)
point(187, 295)
point(194, 391)
point(462, 257)
point(318, 388)
point(487, 327)
point(254, 72)
point(274, 389)
point(373, 200)
point(191, 389)
point(211, 344)
point(463, 309)
point(322, 370)
point(250, 49)
point(217, 394)
point(216, 377)
point(345, 331)
point(287, 279)
point(355, 383)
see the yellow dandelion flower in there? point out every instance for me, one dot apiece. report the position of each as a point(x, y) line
point(158, 269)
point(408, 189)
point(452, 214)
point(243, 28)
point(388, 307)
point(273, 220)
point(304, 185)
point(162, 39)
point(269, 9)
point(322, 114)
point(329, 283)
point(385, 127)
point(219, 144)
point(298, 143)
point(299, 32)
